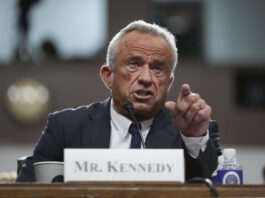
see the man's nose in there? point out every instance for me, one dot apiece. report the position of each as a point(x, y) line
point(145, 76)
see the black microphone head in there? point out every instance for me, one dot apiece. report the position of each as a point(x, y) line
point(128, 105)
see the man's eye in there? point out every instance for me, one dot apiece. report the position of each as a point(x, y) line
point(157, 68)
point(134, 64)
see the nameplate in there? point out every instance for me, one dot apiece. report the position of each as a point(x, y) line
point(124, 165)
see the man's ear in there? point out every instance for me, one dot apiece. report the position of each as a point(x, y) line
point(106, 74)
point(170, 82)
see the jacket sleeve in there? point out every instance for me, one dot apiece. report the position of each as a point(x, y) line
point(206, 163)
point(48, 148)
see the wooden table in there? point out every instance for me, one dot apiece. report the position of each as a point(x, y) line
point(126, 190)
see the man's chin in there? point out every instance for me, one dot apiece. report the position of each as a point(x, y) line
point(142, 107)
point(144, 111)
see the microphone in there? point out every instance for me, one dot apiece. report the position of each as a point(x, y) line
point(129, 107)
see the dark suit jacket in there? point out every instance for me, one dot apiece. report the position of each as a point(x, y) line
point(89, 127)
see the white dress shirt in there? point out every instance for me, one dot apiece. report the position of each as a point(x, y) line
point(120, 138)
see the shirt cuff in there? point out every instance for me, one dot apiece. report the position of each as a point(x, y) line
point(195, 144)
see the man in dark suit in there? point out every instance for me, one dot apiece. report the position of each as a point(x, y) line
point(141, 60)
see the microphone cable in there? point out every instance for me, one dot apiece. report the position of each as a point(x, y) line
point(207, 181)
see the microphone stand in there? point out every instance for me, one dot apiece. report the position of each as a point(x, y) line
point(129, 107)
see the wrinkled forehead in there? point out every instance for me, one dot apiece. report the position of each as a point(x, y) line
point(147, 44)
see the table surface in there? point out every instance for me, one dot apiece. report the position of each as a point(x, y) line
point(127, 190)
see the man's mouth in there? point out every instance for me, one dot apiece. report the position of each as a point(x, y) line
point(143, 94)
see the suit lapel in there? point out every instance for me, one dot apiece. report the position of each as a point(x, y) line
point(163, 134)
point(96, 131)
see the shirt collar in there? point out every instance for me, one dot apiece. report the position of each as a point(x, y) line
point(122, 123)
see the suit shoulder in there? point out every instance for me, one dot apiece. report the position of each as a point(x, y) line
point(80, 112)
point(71, 112)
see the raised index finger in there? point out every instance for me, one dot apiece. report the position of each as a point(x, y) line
point(184, 91)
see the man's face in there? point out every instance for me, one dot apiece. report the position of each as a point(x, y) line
point(142, 74)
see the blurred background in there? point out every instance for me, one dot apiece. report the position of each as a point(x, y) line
point(51, 52)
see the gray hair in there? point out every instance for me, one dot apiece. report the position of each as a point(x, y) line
point(141, 26)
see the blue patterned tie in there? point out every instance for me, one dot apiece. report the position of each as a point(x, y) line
point(136, 139)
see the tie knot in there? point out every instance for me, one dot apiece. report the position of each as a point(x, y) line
point(133, 129)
